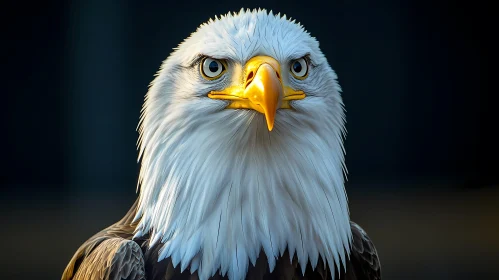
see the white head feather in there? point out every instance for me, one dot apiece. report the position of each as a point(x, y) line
point(216, 186)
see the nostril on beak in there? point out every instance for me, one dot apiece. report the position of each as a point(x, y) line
point(250, 77)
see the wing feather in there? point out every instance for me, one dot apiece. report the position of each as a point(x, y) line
point(364, 259)
point(114, 259)
point(109, 254)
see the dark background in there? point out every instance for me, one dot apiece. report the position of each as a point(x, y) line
point(416, 77)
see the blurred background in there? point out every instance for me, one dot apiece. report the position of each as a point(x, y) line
point(417, 84)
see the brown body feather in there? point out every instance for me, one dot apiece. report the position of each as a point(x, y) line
point(112, 254)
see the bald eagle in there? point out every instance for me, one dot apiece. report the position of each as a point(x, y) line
point(242, 165)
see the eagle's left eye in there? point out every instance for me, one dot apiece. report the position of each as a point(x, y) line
point(212, 69)
point(299, 68)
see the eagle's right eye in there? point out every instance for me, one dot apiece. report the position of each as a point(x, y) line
point(212, 69)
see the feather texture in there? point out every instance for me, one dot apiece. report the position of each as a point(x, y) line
point(109, 254)
point(363, 264)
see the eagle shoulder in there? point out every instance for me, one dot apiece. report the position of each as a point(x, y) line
point(113, 259)
point(109, 254)
point(364, 259)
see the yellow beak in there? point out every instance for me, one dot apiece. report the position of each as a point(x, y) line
point(261, 91)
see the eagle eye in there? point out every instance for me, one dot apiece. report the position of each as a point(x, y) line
point(212, 69)
point(299, 68)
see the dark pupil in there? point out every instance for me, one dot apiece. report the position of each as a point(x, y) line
point(296, 67)
point(213, 66)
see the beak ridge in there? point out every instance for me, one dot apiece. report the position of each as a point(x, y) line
point(265, 92)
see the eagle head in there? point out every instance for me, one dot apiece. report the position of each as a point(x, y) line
point(241, 149)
